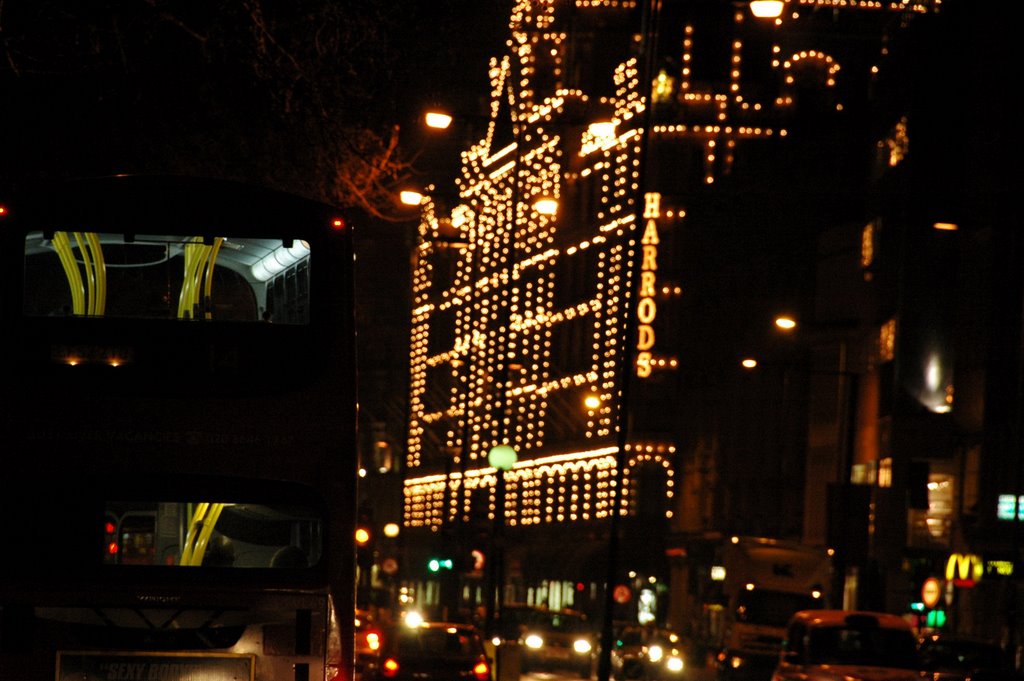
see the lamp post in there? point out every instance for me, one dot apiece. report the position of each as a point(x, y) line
point(833, 408)
point(648, 49)
point(848, 394)
point(503, 458)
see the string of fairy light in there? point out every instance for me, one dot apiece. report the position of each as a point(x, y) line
point(502, 304)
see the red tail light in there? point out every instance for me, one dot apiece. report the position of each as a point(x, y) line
point(390, 667)
point(482, 671)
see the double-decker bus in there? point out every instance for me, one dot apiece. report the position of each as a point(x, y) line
point(177, 468)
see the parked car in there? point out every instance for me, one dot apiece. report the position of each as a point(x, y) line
point(647, 654)
point(844, 645)
point(949, 657)
point(430, 651)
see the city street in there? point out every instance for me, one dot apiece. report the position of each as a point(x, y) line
point(700, 673)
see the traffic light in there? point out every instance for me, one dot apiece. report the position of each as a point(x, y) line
point(362, 536)
point(438, 564)
point(364, 552)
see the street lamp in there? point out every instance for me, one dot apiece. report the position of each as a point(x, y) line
point(651, 12)
point(503, 457)
point(767, 9)
point(831, 373)
point(546, 205)
point(410, 197)
point(438, 120)
point(785, 322)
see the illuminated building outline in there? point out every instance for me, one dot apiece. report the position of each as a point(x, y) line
point(490, 336)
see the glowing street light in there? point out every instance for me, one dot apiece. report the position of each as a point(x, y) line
point(438, 120)
point(602, 129)
point(546, 205)
point(785, 322)
point(766, 9)
point(410, 197)
point(502, 457)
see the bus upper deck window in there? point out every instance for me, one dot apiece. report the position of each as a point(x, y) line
point(91, 273)
point(212, 535)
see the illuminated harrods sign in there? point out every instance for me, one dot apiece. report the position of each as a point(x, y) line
point(964, 569)
point(647, 308)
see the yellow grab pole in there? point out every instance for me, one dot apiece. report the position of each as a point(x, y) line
point(100, 266)
point(204, 535)
point(90, 275)
point(193, 533)
point(62, 244)
point(208, 279)
point(188, 278)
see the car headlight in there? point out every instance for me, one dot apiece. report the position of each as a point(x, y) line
point(674, 664)
point(581, 645)
point(534, 641)
point(655, 653)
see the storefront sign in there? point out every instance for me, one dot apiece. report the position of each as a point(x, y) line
point(1003, 568)
point(964, 569)
point(647, 308)
point(1008, 506)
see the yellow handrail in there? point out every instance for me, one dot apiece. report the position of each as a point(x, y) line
point(90, 274)
point(194, 289)
point(197, 280)
point(62, 244)
point(193, 250)
point(208, 279)
point(100, 265)
point(204, 535)
point(193, 533)
point(204, 520)
point(88, 294)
